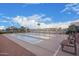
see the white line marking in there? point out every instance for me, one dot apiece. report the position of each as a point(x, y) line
point(57, 51)
point(3, 53)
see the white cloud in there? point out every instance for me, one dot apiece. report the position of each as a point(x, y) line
point(32, 21)
point(25, 21)
point(72, 7)
point(2, 27)
point(47, 19)
point(4, 21)
point(6, 17)
point(59, 24)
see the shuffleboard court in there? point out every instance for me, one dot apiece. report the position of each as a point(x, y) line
point(36, 45)
point(10, 48)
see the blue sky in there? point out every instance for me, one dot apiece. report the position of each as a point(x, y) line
point(51, 13)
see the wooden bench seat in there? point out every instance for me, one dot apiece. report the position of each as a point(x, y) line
point(70, 42)
point(67, 43)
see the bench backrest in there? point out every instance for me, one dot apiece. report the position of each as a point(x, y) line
point(77, 38)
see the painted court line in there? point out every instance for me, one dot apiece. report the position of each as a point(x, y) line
point(57, 51)
point(4, 53)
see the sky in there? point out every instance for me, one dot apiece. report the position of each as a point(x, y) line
point(49, 15)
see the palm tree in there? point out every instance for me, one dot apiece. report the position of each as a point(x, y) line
point(38, 24)
point(28, 30)
point(38, 27)
point(22, 29)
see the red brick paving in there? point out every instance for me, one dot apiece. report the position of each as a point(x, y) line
point(10, 48)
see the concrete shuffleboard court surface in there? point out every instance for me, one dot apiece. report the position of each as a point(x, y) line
point(10, 48)
point(39, 47)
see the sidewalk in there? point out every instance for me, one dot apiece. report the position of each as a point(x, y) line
point(62, 53)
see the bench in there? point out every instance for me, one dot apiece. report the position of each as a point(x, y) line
point(70, 42)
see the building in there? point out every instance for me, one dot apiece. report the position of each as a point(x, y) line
point(76, 24)
point(48, 30)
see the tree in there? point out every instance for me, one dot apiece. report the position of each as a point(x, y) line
point(72, 29)
point(28, 30)
point(38, 24)
point(38, 27)
point(11, 29)
point(22, 29)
